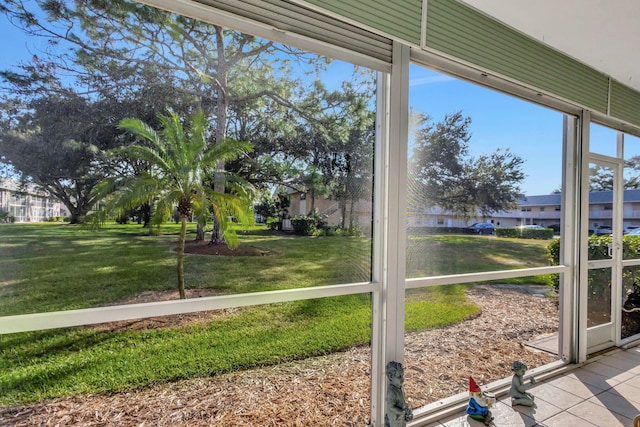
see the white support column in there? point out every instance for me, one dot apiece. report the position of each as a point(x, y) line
point(568, 316)
point(379, 249)
point(583, 234)
point(390, 224)
point(618, 226)
point(395, 235)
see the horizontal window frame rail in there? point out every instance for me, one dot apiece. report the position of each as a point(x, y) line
point(91, 316)
point(630, 262)
point(452, 279)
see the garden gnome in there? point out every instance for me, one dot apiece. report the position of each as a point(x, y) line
point(477, 408)
point(478, 412)
point(398, 411)
point(518, 391)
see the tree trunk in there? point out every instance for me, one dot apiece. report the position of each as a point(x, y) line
point(145, 215)
point(180, 253)
point(75, 217)
point(199, 233)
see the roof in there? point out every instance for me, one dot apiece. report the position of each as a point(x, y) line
point(595, 197)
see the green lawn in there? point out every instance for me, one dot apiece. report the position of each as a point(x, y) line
point(46, 267)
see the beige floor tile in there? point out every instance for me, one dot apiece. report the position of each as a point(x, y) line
point(616, 403)
point(547, 393)
point(635, 382)
point(628, 392)
point(506, 415)
point(598, 414)
point(572, 385)
point(614, 375)
point(565, 419)
point(540, 412)
point(459, 421)
point(590, 379)
point(624, 360)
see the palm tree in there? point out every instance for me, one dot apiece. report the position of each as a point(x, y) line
point(181, 175)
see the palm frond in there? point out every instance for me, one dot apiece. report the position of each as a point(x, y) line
point(226, 150)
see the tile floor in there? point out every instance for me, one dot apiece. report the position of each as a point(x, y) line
point(603, 393)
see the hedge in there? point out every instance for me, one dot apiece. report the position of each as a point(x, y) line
point(525, 233)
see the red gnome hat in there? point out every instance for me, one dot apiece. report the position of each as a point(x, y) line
point(473, 387)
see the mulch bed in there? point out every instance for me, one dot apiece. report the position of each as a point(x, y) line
point(332, 390)
point(204, 248)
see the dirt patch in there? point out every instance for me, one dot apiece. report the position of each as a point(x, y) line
point(204, 248)
point(171, 321)
point(331, 390)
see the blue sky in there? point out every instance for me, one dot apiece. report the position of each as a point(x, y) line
point(498, 121)
point(14, 44)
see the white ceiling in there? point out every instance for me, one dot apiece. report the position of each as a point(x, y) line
point(604, 34)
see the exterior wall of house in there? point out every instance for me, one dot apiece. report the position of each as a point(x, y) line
point(359, 215)
point(27, 204)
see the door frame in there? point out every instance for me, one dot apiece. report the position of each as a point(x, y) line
point(608, 334)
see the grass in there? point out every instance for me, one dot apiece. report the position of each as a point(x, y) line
point(442, 254)
point(46, 267)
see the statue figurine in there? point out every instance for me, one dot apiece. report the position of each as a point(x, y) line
point(398, 411)
point(518, 391)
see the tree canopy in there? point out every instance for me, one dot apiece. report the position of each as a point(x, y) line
point(181, 167)
point(442, 173)
point(139, 60)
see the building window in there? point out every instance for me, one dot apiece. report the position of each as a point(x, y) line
point(608, 207)
point(525, 209)
point(542, 209)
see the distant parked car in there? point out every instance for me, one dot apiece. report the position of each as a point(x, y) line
point(481, 228)
point(629, 229)
point(634, 232)
point(535, 227)
point(603, 230)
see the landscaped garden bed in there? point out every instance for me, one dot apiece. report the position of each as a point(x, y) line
point(327, 390)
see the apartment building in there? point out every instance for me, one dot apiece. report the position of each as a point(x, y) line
point(25, 203)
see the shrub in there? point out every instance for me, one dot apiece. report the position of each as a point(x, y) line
point(525, 233)
point(340, 231)
point(420, 231)
point(598, 249)
point(7, 217)
point(274, 223)
point(308, 225)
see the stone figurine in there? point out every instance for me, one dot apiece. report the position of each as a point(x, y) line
point(518, 391)
point(398, 411)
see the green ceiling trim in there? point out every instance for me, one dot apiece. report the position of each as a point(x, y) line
point(398, 18)
point(625, 103)
point(464, 33)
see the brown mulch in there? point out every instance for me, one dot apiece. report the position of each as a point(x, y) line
point(332, 390)
point(204, 248)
